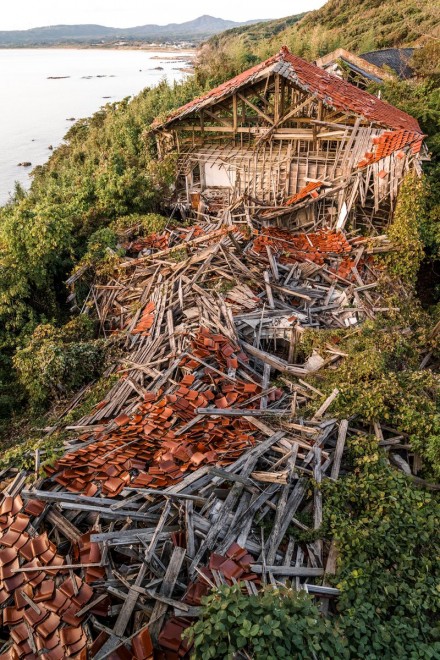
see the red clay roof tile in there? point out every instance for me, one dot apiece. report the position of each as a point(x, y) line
point(331, 90)
point(391, 142)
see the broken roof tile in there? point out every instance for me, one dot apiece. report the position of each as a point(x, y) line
point(333, 91)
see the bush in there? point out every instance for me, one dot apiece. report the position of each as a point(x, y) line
point(140, 225)
point(386, 532)
point(275, 624)
point(380, 379)
point(56, 362)
point(404, 231)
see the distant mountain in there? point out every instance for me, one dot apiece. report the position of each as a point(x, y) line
point(196, 30)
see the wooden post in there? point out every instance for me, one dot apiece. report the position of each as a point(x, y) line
point(276, 100)
point(235, 112)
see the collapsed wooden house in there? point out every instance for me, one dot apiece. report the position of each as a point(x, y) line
point(202, 464)
point(288, 142)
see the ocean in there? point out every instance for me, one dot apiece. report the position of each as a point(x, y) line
point(44, 90)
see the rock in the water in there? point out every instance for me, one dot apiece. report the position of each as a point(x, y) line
point(25, 163)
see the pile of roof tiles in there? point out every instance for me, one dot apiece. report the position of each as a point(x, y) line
point(184, 540)
point(149, 448)
point(162, 240)
point(294, 248)
point(40, 607)
point(164, 488)
point(311, 189)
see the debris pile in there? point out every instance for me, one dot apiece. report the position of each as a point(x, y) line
point(196, 469)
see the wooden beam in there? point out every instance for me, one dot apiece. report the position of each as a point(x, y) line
point(256, 109)
point(166, 590)
point(343, 428)
point(214, 116)
point(276, 99)
point(297, 571)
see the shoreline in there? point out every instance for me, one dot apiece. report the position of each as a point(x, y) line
point(145, 47)
point(27, 140)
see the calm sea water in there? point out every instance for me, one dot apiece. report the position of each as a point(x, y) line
point(35, 110)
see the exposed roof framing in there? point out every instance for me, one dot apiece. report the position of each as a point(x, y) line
point(334, 93)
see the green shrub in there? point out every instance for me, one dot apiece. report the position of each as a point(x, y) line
point(386, 531)
point(381, 379)
point(405, 231)
point(275, 624)
point(56, 362)
point(141, 225)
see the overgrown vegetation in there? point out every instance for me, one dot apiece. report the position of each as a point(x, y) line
point(106, 171)
point(381, 378)
point(274, 624)
point(56, 362)
point(106, 179)
point(386, 533)
point(359, 27)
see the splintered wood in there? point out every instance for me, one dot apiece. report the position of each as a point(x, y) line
point(196, 469)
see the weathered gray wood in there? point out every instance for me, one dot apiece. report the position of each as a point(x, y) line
point(265, 384)
point(129, 604)
point(293, 571)
point(292, 505)
point(275, 362)
point(273, 541)
point(342, 434)
point(322, 590)
point(232, 498)
point(129, 536)
point(250, 512)
point(67, 529)
point(327, 403)
point(108, 513)
point(230, 476)
point(166, 590)
point(189, 530)
point(160, 525)
point(243, 412)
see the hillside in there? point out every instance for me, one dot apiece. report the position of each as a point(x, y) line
point(195, 30)
point(359, 26)
point(197, 452)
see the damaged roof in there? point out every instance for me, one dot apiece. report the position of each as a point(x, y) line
point(334, 92)
point(397, 59)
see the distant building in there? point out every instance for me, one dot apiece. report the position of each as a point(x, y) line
point(397, 59)
point(376, 66)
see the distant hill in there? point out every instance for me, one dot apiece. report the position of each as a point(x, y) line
point(357, 25)
point(196, 30)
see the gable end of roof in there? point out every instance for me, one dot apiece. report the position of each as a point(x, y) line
point(334, 92)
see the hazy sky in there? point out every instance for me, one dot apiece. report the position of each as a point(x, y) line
point(23, 14)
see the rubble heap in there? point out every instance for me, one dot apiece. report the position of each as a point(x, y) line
point(165, 489)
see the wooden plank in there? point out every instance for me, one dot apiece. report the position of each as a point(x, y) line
point(189, 530)
point(291, 571)
point(242, 412)
point(166, 589)
point(327, 403)
point(273, 361)
point(274, 539)
point(129, 604)
point(340, 444)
